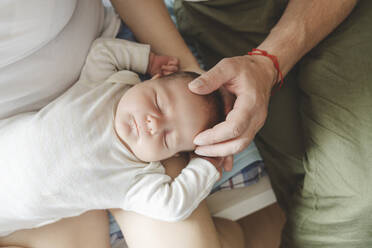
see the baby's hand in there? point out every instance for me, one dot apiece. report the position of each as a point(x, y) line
point(216, 161)
point(162, 65)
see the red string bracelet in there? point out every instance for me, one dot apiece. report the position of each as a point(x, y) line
point(273, 58)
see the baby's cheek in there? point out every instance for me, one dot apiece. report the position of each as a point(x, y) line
point(189, 144)
point(152, 153)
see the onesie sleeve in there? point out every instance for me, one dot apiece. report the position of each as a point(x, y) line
point(156, 195)
point(108, 56)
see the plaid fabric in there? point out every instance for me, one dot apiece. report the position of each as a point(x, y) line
point(249, 175)
point(116, 236)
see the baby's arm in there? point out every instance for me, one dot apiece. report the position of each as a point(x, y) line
point(108, 56)
point(156, 195)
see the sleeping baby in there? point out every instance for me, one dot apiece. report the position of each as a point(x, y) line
point(98, 146)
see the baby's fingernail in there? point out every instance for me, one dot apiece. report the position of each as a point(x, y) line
point(196, 84)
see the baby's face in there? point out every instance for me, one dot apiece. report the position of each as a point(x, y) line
point(157, 119)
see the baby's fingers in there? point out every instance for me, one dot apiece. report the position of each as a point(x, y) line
point(172, 68)
point(166, 73)
point(173, 61)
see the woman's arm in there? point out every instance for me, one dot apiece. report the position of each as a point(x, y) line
point(151, 24)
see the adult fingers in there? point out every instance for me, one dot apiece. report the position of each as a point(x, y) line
point(236, 123)
point(228, 99)
point(236, 145)
point(225, 148)
point(212, 79)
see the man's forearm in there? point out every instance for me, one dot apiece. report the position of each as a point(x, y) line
point(304, 24)
point(150, 22)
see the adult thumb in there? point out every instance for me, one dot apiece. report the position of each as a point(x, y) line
point(210, 80)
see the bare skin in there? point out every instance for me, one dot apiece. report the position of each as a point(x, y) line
point(311, 21)
point(200, 230)
point(74, 232)
point(251, 78)
point(88, 230)
point(92, 229)
point(153, 25)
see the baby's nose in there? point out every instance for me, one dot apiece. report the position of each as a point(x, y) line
point(154, 125)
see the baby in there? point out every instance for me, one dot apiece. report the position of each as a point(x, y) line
point(95, 146)
point(160, 117)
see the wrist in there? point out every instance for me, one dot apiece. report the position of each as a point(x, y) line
point(285, 46)
point(271, 70)
point(269, 65)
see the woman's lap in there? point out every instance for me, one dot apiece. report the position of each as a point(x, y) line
point(198, 230)
point(92, 228)
point(89, 230)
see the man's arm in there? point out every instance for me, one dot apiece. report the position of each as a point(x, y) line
point(251, 78)
point(302, 26)
point(151, 24)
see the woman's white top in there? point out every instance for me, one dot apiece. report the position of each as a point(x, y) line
point(43, 46)
point(66, 158)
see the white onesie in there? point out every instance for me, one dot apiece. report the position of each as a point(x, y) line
point(66, 158)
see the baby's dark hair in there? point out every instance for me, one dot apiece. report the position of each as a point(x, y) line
point(214, 100)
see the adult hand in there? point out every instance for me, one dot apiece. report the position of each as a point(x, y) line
point(250, 79)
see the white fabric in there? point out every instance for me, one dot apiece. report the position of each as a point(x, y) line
point(43, 46)
point(28, 25)
point(66, 159)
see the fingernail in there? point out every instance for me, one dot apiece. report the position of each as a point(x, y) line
point(196, 84)
point(198, 141)
point(198, 152)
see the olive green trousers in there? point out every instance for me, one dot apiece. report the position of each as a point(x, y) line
point(317, 140)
